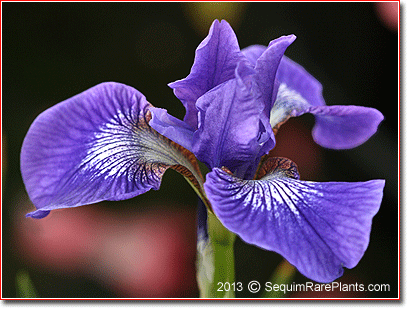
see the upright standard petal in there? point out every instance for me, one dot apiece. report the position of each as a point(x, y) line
point(96, 146)
point(337, 127)
point(215, 61)
point(253, 52)
point(318, 227)
point(266, 67)
point(231, 129)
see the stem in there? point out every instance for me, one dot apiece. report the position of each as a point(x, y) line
point(25, 287)
point(215, 263)
point(222, 241)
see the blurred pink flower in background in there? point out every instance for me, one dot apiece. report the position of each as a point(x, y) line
point(144, 254)
point(388, 13)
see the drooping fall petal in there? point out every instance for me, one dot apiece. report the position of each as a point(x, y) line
point(97, 146)
point(319, 227)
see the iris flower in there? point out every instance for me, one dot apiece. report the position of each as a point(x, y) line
point(110, 143)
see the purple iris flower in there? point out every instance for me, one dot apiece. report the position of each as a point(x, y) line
point(109, 143)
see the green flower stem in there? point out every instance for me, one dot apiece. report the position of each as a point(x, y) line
point(283, 275)
point(216, 261)
point(25, 287)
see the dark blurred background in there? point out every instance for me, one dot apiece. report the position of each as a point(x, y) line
point(145, 247)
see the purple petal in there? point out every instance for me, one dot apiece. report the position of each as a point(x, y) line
point(295, 77)
point(231, 129)
point(38, 214)
point(344, 127)
point(297, 92)
point(337, 127)
point(92, 147)
point(267, 65)
point(253, 52)
point(171, 127)
point(215, 61)
point(318, 227)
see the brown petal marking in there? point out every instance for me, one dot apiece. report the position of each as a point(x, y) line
point(279, 166)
